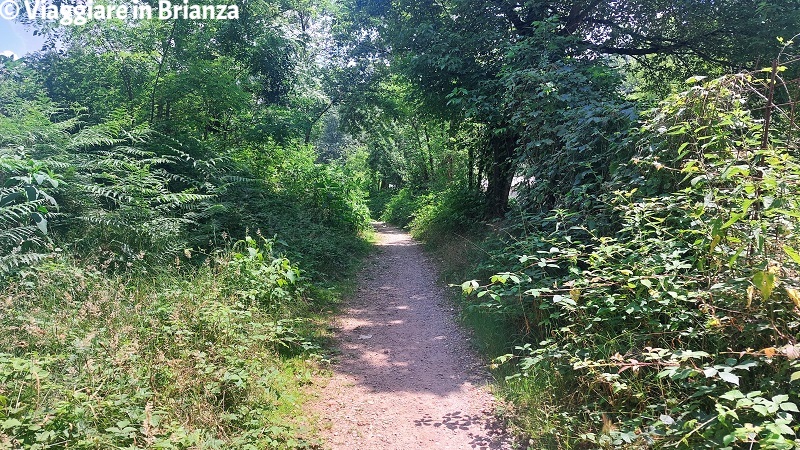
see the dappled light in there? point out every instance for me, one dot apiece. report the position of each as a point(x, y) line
point(404, 357)
point(393, 237)
point(400, 225)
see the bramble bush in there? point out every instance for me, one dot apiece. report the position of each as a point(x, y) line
point(678, 328)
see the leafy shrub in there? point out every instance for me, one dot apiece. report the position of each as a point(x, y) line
point(291, 170)
point(434, 214)
point(25, 207)
point(401, 207)
point(679, 328)
point(122, 196)
point(453, 210)
point(261, 279)
point(317, 213)
point(134, 198)
point(377, 202)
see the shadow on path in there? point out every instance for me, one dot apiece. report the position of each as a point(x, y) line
point(406, 377)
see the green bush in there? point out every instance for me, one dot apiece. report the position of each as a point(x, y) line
point(118, 197)
point(454, 210)
point(679, 328)
point(25, 208)
point(377, 202)
point(316, 212)
point(125, 199)
point(436, 214)
point(400, 209)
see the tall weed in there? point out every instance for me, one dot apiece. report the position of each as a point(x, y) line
point(189, 359)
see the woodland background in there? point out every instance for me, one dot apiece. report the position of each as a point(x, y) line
point(183, 204)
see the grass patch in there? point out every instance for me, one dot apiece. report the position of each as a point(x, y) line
point(214, 357)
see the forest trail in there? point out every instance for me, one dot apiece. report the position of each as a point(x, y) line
point(406, 377)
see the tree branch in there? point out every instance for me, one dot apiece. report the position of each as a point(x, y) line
point(577, 17)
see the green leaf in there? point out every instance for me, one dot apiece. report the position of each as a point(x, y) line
point(784, 429)
point(698, 179)
point(761, 409)
point(735, 217)
point(729, 377)
point(681, 148)
point(732, 395)
point(469, 286)
point(765, 282)
point(780, 398)
point(40, 222)
point(785, 212)
point(732, 171)
point(32, 193)
point(9, 198)
point(746, 205)
point(789, 406)
point(10, 423)
point(792, 253)
point(728, 439)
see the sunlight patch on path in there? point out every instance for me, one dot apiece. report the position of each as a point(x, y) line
point(406, 378)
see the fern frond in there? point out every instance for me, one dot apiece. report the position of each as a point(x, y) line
point(19, 213)
point(210, 211)
point(134, 151)
point(102, 219)
point(105, 192)
point(92, 137)
point(16, 236)
point(9, 263)
point(182, 197)
point(231, 179)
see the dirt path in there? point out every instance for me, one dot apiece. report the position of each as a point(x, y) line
point(406, 378)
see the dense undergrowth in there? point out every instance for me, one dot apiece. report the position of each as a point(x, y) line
point(658, 306)
point(208, 357)
point(432, 214)
point(161, 291)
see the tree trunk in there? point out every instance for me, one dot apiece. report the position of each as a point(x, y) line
point(425, 173)
point(470, 166)
point(500, 174)
point(430, 152)
point(164, 51)
point(313, 121)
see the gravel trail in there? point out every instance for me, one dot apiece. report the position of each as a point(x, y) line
point(406, 377)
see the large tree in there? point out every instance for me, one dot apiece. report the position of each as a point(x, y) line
point(226, 80)
point(469, 58)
